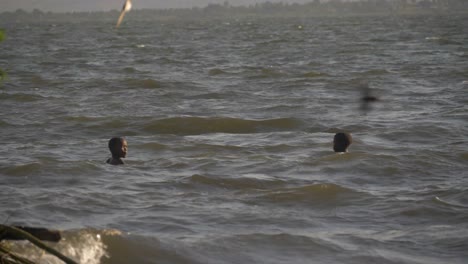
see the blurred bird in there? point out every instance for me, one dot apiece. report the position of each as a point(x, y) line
point(367, 98)
point(126, 7)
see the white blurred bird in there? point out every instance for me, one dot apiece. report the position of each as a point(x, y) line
point(126, 7)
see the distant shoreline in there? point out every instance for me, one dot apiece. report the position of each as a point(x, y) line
point(267, 10)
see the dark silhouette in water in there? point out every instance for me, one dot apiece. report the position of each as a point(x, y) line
point(367, 98)
point(341, 142)
point(39, 233)
point(118, 149)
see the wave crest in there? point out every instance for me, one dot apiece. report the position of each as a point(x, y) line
point(236, 183)
point(84, 246)
point(201, 125)
point(143, 83)
point(322, 193)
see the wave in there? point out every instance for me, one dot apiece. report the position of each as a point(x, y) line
point(99, 126)
point(265, 248)
point(320, 193)
point(22, 170)
point(129, 70)
point(153, 146)
point(216, 71)
point(39, 80)
point(202, 125)
point(313, 74)
point(185, 125)
point(91, 246)
point(443, 41)
point(84, 246)
point(142, 83)
point(434, 209)
point(450, 203)
point(49, 166)
point(458, 199)
point(241, 183)
point(111, 246)
point(21, 97)
point(4, 123)
point(284, 240)
point(141, 249)
point(464, 156)
point(374, 72)
point(263, 73)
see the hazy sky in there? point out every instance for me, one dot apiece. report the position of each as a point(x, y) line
point(89, 5)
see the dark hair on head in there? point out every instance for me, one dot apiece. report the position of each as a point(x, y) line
point(115, 141)
point(341, 142)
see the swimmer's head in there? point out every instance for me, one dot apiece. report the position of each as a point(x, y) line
point(341, 142)
point(118, 147)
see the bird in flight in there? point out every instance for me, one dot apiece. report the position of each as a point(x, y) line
point(126, 7)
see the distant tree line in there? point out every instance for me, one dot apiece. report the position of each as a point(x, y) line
point(313, 8)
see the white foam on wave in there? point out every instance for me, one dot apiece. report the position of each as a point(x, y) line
point(258, 176)
point(84, 246)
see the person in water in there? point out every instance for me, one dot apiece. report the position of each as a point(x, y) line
point(341, 142)
point(118, 149)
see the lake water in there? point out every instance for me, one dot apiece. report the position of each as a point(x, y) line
point(230, 126)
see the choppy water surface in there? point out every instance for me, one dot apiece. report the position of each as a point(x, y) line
point(229, 126)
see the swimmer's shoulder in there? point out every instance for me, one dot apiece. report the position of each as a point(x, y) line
point(113, 161)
